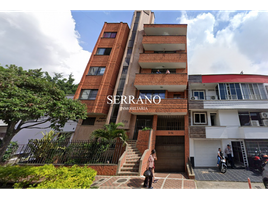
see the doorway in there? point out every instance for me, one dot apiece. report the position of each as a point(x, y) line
point(238, 155)
point(142, 121)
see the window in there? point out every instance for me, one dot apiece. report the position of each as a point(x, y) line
point(89, 121)
point(250, 118)
point(88, 94)
point(151, 93)
point(199, 94)
point(96, 71)
point(253, 91)
point(103, 51)
point(109, 35)
point(177, 96)
point(200, 118)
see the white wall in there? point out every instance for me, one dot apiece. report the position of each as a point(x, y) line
point(228, 118)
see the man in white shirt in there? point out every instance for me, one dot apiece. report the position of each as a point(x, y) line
point(228, 151)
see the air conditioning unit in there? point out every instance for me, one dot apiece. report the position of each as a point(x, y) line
point(212, 97)
point(254, 123)
point(264, 115)
point(194, 98)
point(265, 122)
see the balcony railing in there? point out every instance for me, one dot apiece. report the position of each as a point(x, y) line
point(172, 82)
point(228, 97)
point(165, 106)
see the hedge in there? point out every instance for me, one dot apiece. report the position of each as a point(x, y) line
point(47, 177)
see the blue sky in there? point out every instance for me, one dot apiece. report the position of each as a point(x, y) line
point(61, 40)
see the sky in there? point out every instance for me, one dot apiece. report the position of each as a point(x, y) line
point(61, 40)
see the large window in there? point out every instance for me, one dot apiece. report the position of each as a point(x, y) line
point(88, 94)
point(152, 93)
point(109, 35)
point(96, 71)
point(253, 91)
point(232, 91)
point(103, 51)
point(250, 119)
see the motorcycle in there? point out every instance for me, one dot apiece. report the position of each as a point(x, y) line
point(223, 165)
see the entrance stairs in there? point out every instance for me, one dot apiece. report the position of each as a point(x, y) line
point(131, 166)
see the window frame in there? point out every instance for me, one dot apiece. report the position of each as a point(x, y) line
point(97, 71)
point(109, 34)
point(204, 94)
point(89, 95)
point(106, 52)
point(200, 123)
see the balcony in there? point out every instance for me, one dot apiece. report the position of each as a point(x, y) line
point(165, 107)
point(165, 29)
point(161, 60)
point(164, 43)
point(170, 82)
point(213, 102)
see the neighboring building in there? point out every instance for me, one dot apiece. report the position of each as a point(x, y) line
point(149, 47)
point(227, 109)
point(99, 78)
point(23, 136)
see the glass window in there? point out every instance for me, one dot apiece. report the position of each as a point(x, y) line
point(93, 94)
point(88, 94)
point(200, 118)
point(84, 94)
point(262, 91)
point(109, 35)
point(199, 94)
point(96, 71)
point(101, 71)
point(238, 91)
point(222, 91)
point(103, 51)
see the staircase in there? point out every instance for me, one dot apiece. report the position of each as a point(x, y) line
point(131, 166)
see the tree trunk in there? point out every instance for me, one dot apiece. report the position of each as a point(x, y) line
point(7, 138)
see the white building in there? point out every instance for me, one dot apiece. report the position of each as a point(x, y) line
point(227, 109)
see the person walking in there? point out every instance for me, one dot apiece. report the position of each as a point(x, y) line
point(150, 165)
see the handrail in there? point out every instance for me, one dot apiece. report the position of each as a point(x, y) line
point(145, 153)
point(121, 159)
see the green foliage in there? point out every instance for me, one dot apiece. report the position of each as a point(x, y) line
point(45, 150)
point(27, 95)
point(110, 132)
point(66, 85)
point(146, 129)
point(11, 149)
point(48, 177)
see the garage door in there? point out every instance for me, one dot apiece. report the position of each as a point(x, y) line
point(205, 153)
point(170, 154)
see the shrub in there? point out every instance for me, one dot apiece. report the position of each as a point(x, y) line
point(146, 128)
point(48, 177)
point(11, 149)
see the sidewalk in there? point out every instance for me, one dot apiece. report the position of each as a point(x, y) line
point(227, 185)
point(165, 181)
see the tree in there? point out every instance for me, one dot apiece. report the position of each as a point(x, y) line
point(67, 85)
point(110, 132)
point(27, 96)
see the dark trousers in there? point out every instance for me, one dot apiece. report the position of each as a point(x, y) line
point(230, 160)
point(265, 182)
point(149, 178)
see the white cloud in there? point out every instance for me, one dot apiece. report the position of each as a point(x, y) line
point(46, 40)
point(240, 43)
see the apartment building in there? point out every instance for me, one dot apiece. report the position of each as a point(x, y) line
point(99, 78)
point(227, 109)
point(144, 94)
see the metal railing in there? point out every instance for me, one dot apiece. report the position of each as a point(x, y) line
point(75, 152)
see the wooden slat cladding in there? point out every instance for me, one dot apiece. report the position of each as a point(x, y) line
point(195, 78)
point(196, 104)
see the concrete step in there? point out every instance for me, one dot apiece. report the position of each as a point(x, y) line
point(123, 169)
point(128, 174)
point(131, 164)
